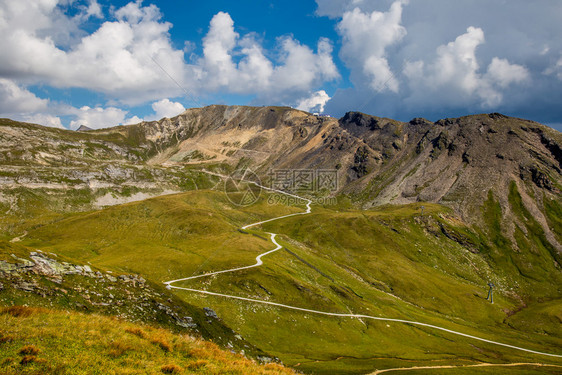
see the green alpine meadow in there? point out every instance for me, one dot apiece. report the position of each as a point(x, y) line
point(269, 240)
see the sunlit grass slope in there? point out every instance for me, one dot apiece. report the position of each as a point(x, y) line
point(39, 341)
point(389, 262)
point(163, 238)
point(392, 262)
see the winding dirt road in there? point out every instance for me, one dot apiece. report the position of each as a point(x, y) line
point(463, 366)
point(259, 262)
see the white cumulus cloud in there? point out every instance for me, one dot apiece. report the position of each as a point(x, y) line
point(239, 65)
point(218, 45)
point(314, 103)
point(114, 60)
point(167, 108)
point(162, 108)
point(442, 70)
point(504, 73)
point(455, 77)
point(43, 119)
point(366, 37)
point(15, 99)
point(132, 120)
point(131, 60)
point(20, 104)
point(98, 117)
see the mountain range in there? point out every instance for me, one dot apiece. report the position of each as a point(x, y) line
point(420, 216)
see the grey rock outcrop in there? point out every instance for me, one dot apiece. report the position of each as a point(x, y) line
point(210, 313)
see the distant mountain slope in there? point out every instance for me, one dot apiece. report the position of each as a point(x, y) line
point(465, 163)
point(83, 128)
point(468, 164)
point(45, 169)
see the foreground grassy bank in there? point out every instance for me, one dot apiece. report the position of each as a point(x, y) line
point(41, 341)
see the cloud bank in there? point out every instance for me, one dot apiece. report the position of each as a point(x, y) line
point(437, 58)
point(131, 60)
point(394, 58)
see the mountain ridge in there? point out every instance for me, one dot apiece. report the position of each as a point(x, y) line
point(364, 147)
point(457, 162)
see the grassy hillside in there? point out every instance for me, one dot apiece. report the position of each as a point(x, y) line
point(388, 262)
point(162, 238)
point(39, 341)
point(391, 261)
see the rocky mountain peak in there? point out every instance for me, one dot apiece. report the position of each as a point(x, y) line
point(457, 162)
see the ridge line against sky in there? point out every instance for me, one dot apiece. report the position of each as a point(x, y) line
point(102, 63)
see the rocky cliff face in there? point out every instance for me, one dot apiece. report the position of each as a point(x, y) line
point(469, 164)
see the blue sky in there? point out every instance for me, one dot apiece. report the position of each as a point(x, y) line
point(103, 63)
